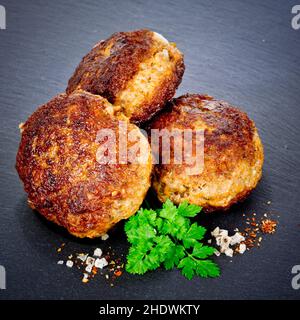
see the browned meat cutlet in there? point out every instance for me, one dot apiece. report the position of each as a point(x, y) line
point(139, 71)
point(233, 154)
point(57, 163)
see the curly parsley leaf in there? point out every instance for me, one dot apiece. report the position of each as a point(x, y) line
point(167, 237)
point(174, 254)
point(169, 211)
point(207, 268)
point(188, 210)
point(142, 233)
point(188, 267)
point(135, 260)
point(140, 227)
point(202, 268)
point(148, 256)
point(202, 252)
point(194, 233)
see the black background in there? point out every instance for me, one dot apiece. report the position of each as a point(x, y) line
point(245, 52)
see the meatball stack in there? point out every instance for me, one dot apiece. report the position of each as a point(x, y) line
point(131, 76)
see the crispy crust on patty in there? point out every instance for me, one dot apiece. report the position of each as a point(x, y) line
point(126, 70)
point(233, 154)
point(57, 163)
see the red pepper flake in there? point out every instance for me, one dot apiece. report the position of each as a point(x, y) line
point(254, 229)
point(118, 273)
point(61, 247)
point(253, 235)
point(268, 226)
point(94, 270)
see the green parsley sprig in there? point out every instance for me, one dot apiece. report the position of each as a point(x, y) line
point(168, 237)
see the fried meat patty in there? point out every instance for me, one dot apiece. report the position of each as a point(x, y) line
point(57, 163)
point(139, 71)
point(233, 154)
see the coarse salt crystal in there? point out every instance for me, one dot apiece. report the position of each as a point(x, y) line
point(82, 256)
point(242, 248)
point(97, 252)
point(89, 268)
point(223, 233)
point(60, 262)
point(90, 261)
point(229, 252)
point(69, 263)
point(224, 243)
point(104, 237)
point(215, 232)
point(101, 263)
point(236, 238)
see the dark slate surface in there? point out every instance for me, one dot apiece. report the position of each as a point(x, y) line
point(247, 54)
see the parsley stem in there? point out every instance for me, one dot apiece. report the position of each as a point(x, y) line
point(190, 255)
